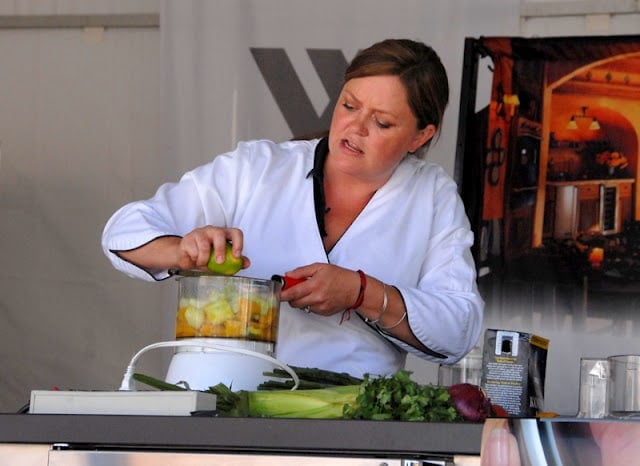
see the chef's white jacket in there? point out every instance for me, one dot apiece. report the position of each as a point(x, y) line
point(413, 234)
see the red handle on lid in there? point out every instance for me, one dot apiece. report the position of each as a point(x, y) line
point(287, 281)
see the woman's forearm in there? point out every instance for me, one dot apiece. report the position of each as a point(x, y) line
point(159, 254)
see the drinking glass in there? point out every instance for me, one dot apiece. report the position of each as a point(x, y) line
point(594, 376)
point(623, 389)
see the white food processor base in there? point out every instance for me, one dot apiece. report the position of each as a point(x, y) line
point(204, 362)
point(237, 368)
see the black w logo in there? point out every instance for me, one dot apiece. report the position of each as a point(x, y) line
point(289, 93)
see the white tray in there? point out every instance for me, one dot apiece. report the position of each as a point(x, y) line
point(148, 403)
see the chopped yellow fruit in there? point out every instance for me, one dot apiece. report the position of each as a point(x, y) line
point(217, 312)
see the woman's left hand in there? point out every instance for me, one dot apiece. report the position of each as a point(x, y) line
point(327, 290)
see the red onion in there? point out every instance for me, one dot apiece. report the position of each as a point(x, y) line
point(470, 401)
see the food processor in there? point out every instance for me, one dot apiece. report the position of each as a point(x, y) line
point(226, 332)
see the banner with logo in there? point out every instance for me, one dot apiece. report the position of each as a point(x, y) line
point(93, 119)
point(239, 69)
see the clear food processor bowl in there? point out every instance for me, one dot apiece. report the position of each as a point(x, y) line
point(212, 306)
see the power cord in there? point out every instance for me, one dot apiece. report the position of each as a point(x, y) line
point(128, 383)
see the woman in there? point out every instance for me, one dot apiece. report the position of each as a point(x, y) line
point(379, 234)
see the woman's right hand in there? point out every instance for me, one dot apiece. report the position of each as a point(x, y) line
point(192, 251)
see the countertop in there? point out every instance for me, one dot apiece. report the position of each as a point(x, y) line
point(323, 436)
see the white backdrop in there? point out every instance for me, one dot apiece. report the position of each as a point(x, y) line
point(215, 94)
point(92, 119)
point(79, 123)
point(89, 121)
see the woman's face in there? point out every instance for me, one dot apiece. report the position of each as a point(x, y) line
point(373, 128)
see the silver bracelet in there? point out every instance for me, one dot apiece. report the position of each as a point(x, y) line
point(385, 303)
point(394, 325)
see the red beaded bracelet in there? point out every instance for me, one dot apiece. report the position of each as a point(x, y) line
point(363, 286)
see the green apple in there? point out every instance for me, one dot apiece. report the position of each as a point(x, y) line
point(230, 266)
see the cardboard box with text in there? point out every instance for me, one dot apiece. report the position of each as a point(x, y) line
point(513, 370)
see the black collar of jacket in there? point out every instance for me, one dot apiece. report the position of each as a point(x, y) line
point(317, 174)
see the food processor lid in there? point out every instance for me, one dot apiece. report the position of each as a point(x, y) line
point(178, 273)
point(193, 273)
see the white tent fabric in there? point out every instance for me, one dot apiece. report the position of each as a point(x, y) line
point(217, 93)
point(79, 123)
point(89, 122)
point(216, 96)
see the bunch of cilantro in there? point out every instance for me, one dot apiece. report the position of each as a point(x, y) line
point(400, 398)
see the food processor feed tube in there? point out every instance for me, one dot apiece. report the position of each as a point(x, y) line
point(238, 318)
